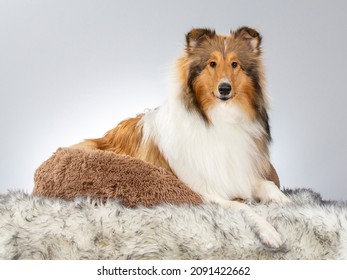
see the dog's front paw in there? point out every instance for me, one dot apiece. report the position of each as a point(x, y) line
point(277, 196)
point(267, 191)
point(266, 233)
point(270, 237)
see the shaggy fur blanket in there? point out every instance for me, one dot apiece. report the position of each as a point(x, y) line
point(34, 227)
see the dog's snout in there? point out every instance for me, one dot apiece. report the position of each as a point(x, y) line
point(224, 89)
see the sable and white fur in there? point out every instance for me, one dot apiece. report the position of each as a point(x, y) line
point(212, 132)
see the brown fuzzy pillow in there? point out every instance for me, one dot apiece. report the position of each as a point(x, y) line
point(71, 173)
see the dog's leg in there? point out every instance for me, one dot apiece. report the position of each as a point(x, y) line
point(85, 145)
point(265, 231)
point(266, 191)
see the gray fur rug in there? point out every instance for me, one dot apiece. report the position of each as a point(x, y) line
point(42, 228)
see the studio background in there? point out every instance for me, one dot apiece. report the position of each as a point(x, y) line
point(71, 70)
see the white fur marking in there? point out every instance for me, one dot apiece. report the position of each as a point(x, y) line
point(221, 159)
point(224, 80)
point(225, 45)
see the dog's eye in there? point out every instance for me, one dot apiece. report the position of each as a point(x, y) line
point(213, 64)
point(234, 64)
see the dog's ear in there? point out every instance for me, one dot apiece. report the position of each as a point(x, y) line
point(196, 36)
point(250, 36)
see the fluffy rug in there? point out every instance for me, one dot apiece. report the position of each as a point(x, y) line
point(34, 227)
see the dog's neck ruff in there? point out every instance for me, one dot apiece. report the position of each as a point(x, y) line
point(220, 159)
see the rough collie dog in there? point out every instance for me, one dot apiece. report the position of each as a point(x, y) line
point(212, 132)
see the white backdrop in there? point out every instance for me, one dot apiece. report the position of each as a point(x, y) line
point(72, 69)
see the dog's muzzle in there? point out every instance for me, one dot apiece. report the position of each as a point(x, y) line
point(224, 90)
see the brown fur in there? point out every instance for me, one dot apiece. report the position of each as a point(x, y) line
point(126, 139)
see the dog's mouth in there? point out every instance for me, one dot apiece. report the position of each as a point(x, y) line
point(223, 97)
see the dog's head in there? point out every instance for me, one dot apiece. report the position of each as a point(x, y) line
point(223, 68)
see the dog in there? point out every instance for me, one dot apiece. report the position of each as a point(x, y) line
point(213, 131)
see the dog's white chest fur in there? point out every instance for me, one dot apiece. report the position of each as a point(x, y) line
point(220, 159)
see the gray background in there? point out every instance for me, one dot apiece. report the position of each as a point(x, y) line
point(73, 69)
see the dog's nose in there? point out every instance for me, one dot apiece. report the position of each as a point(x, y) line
point(224, 89)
